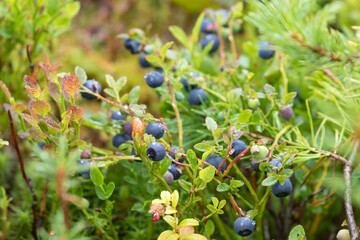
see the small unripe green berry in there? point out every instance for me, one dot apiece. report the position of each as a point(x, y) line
point(220, 116)
point(343, 234)
point(179, 96)
point(259, 152)
point(254, 103)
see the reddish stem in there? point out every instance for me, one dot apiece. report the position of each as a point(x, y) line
point(236, 206)
point(235, 160)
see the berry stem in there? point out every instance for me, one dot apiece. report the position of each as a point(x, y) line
point(235, 160)
point(176, 111)
point(236, 206)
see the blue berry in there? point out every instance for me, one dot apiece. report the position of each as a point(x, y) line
point(127, 128)
point(239, 147)
point(143, 62)
point(41, 145)
point(215, 161)
point(92, 85)
point(244, 226)
point(168, 177)
point(255, 165)
point(119, 139)
point(282, 190)
point(174, 171)
point(286, 113)
point(188, 86)
point(195, 95)
point(207, 25)
point(117, 115)
point(264, 51)
point(155, 129)
point(174, 149)
point(208, 39)
point(154, 79)
point(133, 153)
point(85, 168)
point(132, 45)
point(277, 163)
point(156, 151)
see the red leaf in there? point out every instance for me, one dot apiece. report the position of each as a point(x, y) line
point(76, 113)
point(71, 84)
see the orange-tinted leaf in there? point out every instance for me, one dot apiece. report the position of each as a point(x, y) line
point(5, 89)
point(76, 113)
point(32, 87)
point(71, 84)
point(49, 70)
point(41, 107)
point(52, 124)
point(18, 107)
point(138, 127)
point(30, 119)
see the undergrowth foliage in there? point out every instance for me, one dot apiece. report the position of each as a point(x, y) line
point(244, 142)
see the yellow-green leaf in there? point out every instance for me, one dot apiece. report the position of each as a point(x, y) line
point(189, 222)
point(168, 235)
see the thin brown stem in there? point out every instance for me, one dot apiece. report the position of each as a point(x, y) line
point(25, 177)
point(177, 114)
point(235, 160)
point(236, 206)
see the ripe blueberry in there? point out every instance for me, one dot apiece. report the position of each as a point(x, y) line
point(93, 86)
point(244, 226)
point(253, 103)
point(154, 79)
point(86, 154)
point(85, 168)
point(275, 162)
point(286, 112)
point(41, 145)
point(207, 25)
point(117, 115)
point(264, 51)
point(184, 80)
point(259, 152)
point(173, 169)
point(156, 151)
point(127, 128)
point(208, 39)
point(282, 190)
point(255, 165)
point(174, 149)
point(195, 95)
point(168, 177)
point(143, 62)
point(239, 147)
point(155, 129)
point(119, 139)
point(132, 45)
point(215, 161)
point(133, 153)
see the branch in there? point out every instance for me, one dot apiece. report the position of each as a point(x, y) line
point(354, 232)
point(26, 178)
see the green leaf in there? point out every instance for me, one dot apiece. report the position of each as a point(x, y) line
point(215, 201)
point(269, 181)
point(2, 143)
point(168, 235)
point(110, 80)
point(222, 204)
point(72, 8)
point(211, 124)
point(287, 99)
point(209, 228)
point(196, 29)
point(223, 187)
point(287, 172)
point(202, 147)
point(252, 213)
point(154, 60)
point(207, 174)
point(165, 48)
point(100, 193)
point(245, 116)
point(297, 230)
point(180, 35)
point(96, 176)
point(134, 95)
point(236, 183)
point(170, 220)
point(191, 157)
point(185, 185)
point(269, 89)
point(110, 92)
point(189, 222)
point(120, 83)
point(81, 74)
point(194, 236)
point(211, 208)
point(109, 189)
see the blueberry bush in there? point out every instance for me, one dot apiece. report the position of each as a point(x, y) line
point(257, 136)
